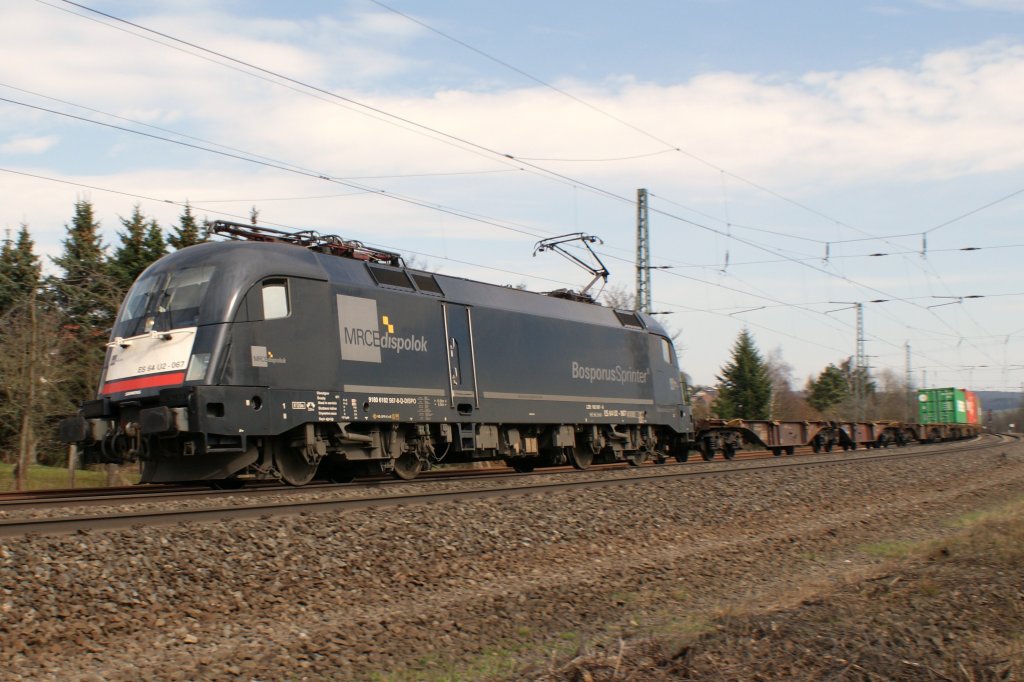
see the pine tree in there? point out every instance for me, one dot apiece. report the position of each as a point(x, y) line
point(87, 297)
point(744, 386)
point(86, 293)
point(831, 388)
point(142, 243)
point(32, 366)
point(154, 247)
point(130, 257)
point(19, 287)
point(19, 269)
point(187, 232)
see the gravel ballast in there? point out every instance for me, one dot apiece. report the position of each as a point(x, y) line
point(477, 588)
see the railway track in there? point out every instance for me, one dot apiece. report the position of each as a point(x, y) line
point(95, 497)
point(122, 519)
point(155, 492)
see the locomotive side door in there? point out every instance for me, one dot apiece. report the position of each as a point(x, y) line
point(458, 332)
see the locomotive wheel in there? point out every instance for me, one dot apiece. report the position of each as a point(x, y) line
point(338, 472)
point(522, 465)
point(581, 458)
point(408, 466)
point(292, 466)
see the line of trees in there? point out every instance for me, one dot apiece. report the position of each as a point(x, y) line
point(752, 386)
point(54, 328)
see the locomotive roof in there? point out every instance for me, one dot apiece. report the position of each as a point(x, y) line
point(242, 263)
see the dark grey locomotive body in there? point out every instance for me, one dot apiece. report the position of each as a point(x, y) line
point(233, 358)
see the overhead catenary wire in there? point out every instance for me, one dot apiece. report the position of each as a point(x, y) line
point(391, 116)
point(673, 147)
point(286, 168)
point(291, 168)
point(243, 155)
point(200, 206)
point(321, 176)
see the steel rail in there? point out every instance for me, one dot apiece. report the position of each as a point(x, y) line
point(60, 525)
point(93, 497)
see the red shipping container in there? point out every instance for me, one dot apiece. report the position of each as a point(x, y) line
point(972, 407)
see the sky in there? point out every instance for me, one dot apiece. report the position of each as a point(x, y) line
point(800, 157)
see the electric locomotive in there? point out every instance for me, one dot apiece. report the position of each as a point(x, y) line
point(281, 355)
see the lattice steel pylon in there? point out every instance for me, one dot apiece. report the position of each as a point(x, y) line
point(910, 387)
point(643, 254)
point(860, 365)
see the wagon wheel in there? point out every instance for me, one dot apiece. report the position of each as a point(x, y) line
point(292, 466)
point(729, 451)
point(580, 458)
point(682, 454)
point(707, 452)
point(407, 466)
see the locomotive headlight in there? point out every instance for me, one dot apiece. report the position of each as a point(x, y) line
point(197, 366)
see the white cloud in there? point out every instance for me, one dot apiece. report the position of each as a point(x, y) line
point(27, 145)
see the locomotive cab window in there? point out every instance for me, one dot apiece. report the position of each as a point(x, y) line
point(163, 302)
point(666, 351)
point(275, 299)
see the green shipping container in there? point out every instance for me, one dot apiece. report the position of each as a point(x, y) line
point(942, 406)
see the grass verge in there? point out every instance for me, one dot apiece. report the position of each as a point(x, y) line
point(45, 478)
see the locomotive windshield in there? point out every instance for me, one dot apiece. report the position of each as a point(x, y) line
point(163, 301)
